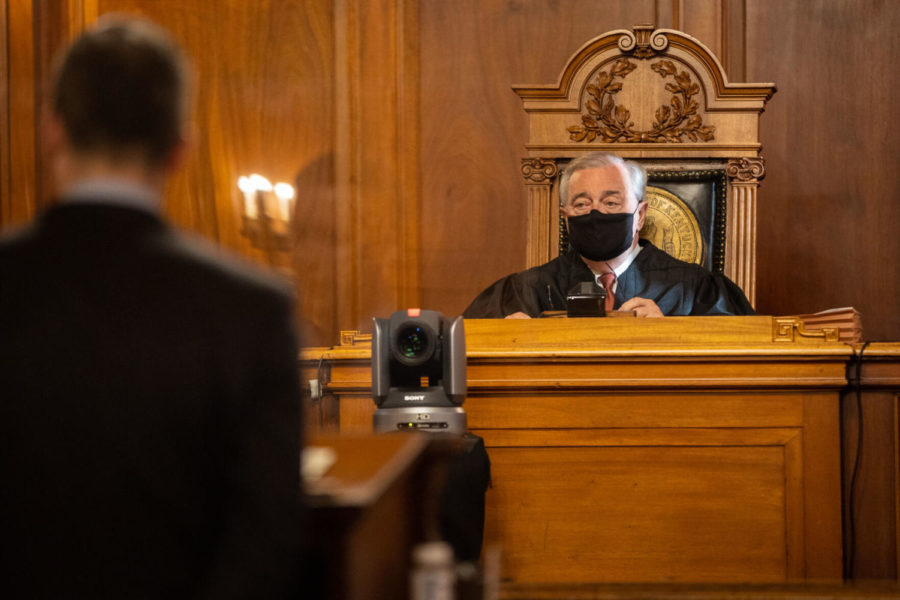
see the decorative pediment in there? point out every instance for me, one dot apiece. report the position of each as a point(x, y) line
point(644, 92)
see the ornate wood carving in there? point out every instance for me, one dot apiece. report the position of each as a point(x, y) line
point(643, 42)
point(746, 168)
point(539, 170)
point(611, 121)
point(353, 338)
point(791, 329)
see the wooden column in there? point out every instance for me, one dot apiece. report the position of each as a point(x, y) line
point(539, 174)
point(740, 250)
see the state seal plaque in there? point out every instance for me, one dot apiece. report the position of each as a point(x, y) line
point(672, 227)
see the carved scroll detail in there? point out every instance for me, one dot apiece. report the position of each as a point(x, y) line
point(539, 170)
point(611, 122)
point(785, 329)
point(647, 43)
point(746, 168)
point(353, 337)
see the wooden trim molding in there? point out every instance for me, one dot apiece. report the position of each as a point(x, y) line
point(5, 86)
point(20, 204)
point(626, 42)
point(896, 471)
point(377, 147)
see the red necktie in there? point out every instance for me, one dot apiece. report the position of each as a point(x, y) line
point(607, 280)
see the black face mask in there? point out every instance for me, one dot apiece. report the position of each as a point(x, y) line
point(599, 236)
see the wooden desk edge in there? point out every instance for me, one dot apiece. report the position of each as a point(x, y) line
point(322, 493)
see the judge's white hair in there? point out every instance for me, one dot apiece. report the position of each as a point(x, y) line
point(636, 175)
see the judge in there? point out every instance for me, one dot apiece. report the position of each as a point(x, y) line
point(602, 200)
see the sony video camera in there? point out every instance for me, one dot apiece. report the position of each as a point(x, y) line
point(419, 372)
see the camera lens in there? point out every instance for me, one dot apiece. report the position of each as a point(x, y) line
point(412, 341)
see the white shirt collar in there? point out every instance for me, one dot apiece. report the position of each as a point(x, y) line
point(113, 192)
point(622, 267)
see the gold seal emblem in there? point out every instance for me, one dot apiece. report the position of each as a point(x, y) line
point(672, 227)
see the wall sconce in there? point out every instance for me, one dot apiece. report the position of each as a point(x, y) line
point(266, 214)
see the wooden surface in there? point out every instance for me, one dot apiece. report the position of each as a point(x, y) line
point(639, 450)
point(368, 511)
point(820, 188)
point(365, 468)
point(397, 121)
point(18, 122)
point(263, 102)
point(697, 592)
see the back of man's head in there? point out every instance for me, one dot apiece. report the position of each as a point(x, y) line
point(120, 91)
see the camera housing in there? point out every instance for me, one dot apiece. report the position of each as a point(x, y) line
point(419, 372)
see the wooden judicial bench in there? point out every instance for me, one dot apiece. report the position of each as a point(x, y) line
point(683, 449)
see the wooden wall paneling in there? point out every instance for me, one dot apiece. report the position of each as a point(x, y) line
point(34, 33)
point(377, 186)
point(828, 209)
point(19, 203)
point(822, 485)
point(704, 20)
point(346, 68)
point(5, 197)
point(734, 39)
point(263, 102)
point(408, 141)
point(56, 24)
point(872, 538)
point(664, 14)
point(719, 24)
point(473, 128)
point(710, 509)
point(874, 530)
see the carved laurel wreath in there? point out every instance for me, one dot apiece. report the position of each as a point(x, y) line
point(610, 121)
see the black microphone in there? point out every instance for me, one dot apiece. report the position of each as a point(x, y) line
point(586, 299)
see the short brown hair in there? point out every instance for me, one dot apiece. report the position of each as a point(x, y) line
point(121, 88)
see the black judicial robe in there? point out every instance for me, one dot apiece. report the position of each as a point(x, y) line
point(677, 287)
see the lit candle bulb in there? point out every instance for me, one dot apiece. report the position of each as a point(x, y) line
point(245, 184)
point(260, 183)
point(285, 193)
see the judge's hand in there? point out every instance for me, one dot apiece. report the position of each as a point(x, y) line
point(517, 315)
point(642, 307)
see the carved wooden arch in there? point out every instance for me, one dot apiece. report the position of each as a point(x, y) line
point(658, 96)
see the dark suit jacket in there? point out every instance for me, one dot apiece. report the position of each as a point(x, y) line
point(149, 414)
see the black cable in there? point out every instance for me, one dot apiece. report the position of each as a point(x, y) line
point(321, 389)
point(856, 382)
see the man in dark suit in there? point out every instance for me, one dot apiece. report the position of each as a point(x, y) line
point(149, 395)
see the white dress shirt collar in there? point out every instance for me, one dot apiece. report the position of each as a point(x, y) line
point(622, 267)
point(113, 192)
